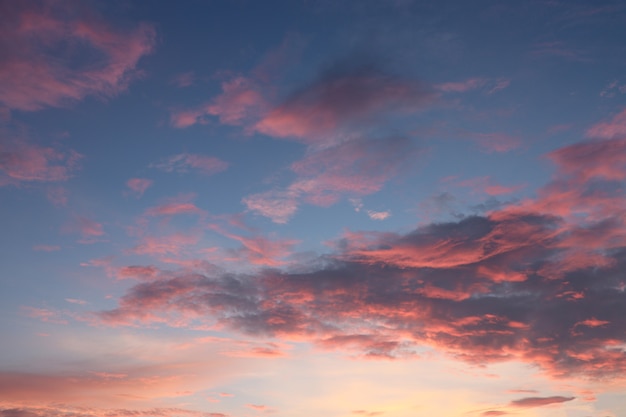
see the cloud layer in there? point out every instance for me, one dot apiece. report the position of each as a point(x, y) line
point(521, 282)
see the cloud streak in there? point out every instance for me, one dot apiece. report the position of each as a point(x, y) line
point(186, 162)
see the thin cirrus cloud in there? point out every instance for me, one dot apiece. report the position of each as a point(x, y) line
point(33, 32)
point(518, 283)
point(258, 250)
point(186, 162)
point(353, 168)
point(488, 186)
point(461, 86)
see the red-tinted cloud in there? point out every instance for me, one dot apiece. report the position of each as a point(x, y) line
point(240, 101)
point(341, 99)
point(615, 128)
point(21, 161)
point(524, 282)
point(604, 159)
point(35, 33)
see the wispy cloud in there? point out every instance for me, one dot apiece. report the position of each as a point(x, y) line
point(340, 99)
point(138, 186)
point(613, 129)
point(241, 101)
point(461, 86)
point(21, 161)
point(185, 162)
point(353, 168)
point(34, 34)
point(46, 248)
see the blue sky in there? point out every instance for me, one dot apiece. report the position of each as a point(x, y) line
point(297, 208)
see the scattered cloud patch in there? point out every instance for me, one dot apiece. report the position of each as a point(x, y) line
point(138, 186)
point(22, 162)
point(36, 33)
point(185, 162)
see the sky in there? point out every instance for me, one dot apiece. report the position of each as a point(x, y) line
point(312, 208)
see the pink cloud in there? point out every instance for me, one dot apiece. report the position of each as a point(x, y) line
point(163, 245)
point(338, 100)
point(500, 84)
point(79, 394)
point(174, 208)
point(244, 98)
point(24, 162)
point(184, 162)
point(89, 227)
point(596, 158)
point(260, 250)
point(612, 129)
point(353, 168)
point(378, 215)
point(279, 206)
point(137, 272)
point(30, 76)
point(186, 118)
point(539, 401)
point(258, 407)
point(43, 314)
point(592, 322)
point(240, 101)
point(462, 86)
point(138, 186)
point(540, 281)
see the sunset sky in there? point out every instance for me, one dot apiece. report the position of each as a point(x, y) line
point(312, 208)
